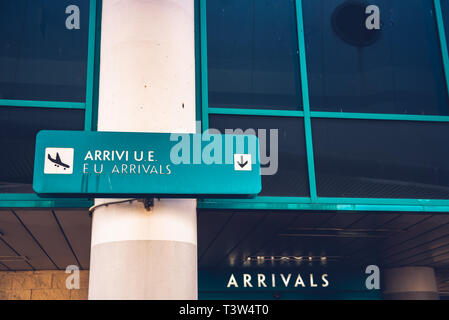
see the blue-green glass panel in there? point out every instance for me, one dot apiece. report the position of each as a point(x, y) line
point(397, 69)
point(282, 145)
point(18, 129)
point(445, 12)
point(253, 54)
point(40, 58)
point(381, 159)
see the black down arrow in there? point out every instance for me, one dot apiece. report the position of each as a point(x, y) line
point(241, 163)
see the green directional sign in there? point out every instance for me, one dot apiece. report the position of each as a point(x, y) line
point(118, 164)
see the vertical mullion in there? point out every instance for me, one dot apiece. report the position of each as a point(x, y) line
point(305, 99)
point(204, 73)
point(198, 98)
point(442, 37)
point(90, 65)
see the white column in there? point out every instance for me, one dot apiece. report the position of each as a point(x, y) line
point(147, 84)
point(410, 283)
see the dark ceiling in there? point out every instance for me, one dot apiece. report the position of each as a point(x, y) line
point(45, 239)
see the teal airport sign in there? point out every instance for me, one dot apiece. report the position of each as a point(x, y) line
point(118, 164)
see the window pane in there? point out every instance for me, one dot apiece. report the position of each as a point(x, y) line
point(40, 59)
point(18, 129)
point(381, 159)
point(445, 11)
point(253, 54)
point(397, 69)
point(289, 163)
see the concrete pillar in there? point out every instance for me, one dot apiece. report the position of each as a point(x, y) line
point(410, 283)
point(147, 84)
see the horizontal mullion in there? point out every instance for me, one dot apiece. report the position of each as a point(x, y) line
point(259, 203)
point(385, 201)
point(32, 197)
point(42, 104)
point(31, 200)
point(256, 112)
point(263, 199)
point(338, 204)
point(377, 116)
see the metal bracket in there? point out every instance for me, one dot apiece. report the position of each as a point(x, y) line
point(148, 203)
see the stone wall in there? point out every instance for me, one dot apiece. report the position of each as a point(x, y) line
point(41, 285)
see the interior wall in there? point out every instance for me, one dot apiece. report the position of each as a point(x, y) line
point(41, 285)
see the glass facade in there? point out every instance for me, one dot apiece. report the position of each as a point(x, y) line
point(255, 55)
point(40, 58)
point(385, 71)
point(290, 166)
point(372, 106)
point(46, 79)
point(381, 159)
point(445, 14)
point(18, 129)
point(342, 98)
